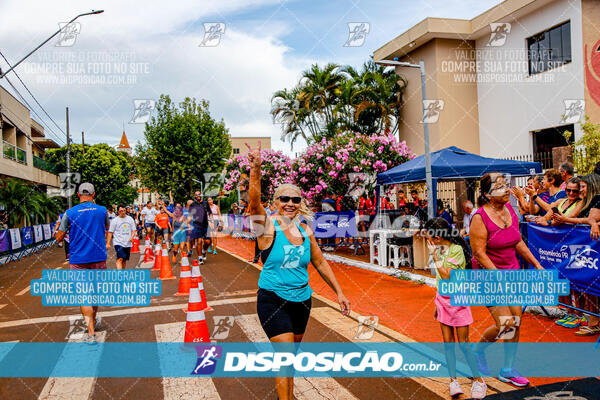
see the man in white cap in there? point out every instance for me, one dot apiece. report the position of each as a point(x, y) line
point(86, 224)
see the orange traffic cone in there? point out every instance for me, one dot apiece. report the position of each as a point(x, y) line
point(185, 278)
point(195, 271)
point(165, 265)
point(196, 329)
point(135, 248)
point(203, 296)
point(197, 280)
point(157, 258)
point(148, 256)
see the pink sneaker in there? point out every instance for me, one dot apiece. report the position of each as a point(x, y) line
point(455, 388)
point(513, 377)
point(478, 390)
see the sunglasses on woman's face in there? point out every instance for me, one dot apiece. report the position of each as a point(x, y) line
point(572, 190)
point(286, 199)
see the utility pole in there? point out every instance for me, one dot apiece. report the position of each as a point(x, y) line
point(82, 143)
point(68, 159)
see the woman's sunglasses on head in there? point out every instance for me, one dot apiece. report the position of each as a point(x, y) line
point(286, 199)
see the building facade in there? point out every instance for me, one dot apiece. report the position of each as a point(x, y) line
point(238, 144)
point(24, 145)
point(508, 82)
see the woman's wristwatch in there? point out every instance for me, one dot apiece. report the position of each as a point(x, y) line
point(534, 197)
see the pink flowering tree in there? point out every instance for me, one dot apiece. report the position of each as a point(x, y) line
point(276, 170)
point(325, 167)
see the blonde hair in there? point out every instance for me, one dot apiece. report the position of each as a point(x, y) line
point(304, 210)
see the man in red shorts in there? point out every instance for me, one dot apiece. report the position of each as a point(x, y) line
point(86, 224)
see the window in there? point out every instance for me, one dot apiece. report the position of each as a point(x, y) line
point(236, 151)
point(549, 49)
point(545, 140)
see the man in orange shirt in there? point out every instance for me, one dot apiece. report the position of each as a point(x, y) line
point(162, 223)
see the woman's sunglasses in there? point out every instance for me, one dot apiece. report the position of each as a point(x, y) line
point(286, 199)
point(572, 190)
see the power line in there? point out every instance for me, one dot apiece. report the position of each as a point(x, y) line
point(28, 137)
point(30, 108)
point(36, 101)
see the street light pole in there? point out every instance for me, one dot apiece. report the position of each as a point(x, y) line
point(3, 74)
point(428, 176)
point(68, 160)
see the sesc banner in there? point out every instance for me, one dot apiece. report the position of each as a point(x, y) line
point(47, 232)
point(15, 238)
point(38, 233)
point(27, 235)
point(571, 251)
point(334, 224)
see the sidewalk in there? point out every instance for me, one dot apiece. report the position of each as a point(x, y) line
point(407, 307)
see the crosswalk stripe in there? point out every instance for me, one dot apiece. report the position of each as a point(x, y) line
point(2, 306)
point(28, 288)
point(22, 292)
point(73, 388)
point(304, 388)
point(125, 311)
point(183, 388)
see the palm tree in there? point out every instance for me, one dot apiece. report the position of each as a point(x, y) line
point(285, 109)
point(330, 100)
point(378, 101)
point(25, 203)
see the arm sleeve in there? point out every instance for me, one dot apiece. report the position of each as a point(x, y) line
point(113, 225)
point(64, 224)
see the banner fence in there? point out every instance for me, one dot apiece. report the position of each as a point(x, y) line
point(16, 243)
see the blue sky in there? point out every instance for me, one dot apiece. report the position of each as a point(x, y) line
point(266, 46)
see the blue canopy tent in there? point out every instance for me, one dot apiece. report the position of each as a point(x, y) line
point(453, 163)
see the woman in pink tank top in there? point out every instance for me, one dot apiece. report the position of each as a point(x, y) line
point(496, 241)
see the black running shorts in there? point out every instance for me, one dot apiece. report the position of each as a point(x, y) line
point(279, 316)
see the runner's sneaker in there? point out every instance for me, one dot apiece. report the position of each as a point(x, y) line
point(482, 363)
point(512, 376)
point(200, 260)
point(574, 323)
point(478, 390)
point(209, 249)
point(215, 250)
point(564, 319)
point(90, 339)
point(455, 388)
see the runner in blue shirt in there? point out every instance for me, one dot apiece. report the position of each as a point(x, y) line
point(86, 224)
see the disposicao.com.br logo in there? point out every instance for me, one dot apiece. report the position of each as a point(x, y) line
point(352, 362)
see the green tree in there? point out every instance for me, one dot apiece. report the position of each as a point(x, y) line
point(26, 204)
point(586, 150)
point(107, 169)
point(337, 99)
point(181, 144)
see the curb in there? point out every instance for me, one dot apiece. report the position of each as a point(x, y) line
point(382, 270)
point(554, 311)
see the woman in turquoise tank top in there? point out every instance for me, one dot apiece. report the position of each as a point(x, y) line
point(287, 247)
